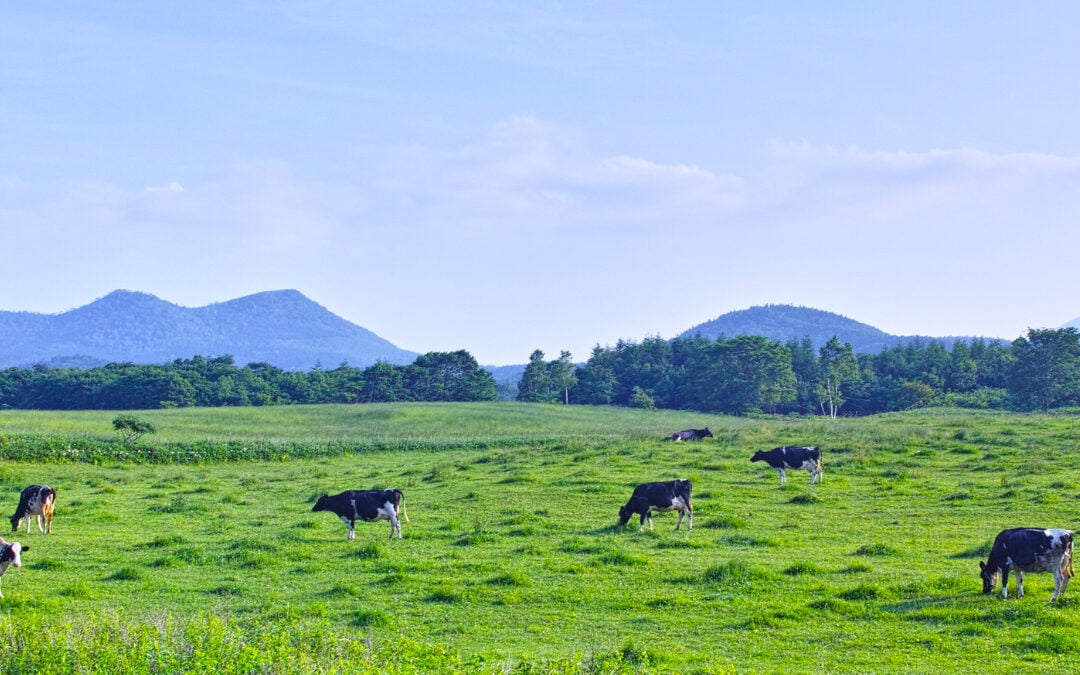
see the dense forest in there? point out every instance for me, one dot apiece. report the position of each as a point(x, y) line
point(218, 381)
point(750, 374)
point(737, 376)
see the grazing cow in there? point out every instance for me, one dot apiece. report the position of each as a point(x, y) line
point(10, 554)
point(672, 495)
point(690, 435)
point(806, 457)
point(37, 501)
point(1028, 549)
point(366, 505)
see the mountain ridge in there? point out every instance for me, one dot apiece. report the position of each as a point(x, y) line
point(283, 328)
point(287, 329)
point(783, 323)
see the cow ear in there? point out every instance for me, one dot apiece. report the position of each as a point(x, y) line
point(24, 548)
point(982, 566)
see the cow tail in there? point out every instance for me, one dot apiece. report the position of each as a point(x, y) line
point(1069, 549)
point(401, 505)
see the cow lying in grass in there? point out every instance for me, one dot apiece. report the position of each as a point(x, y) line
point(672, 495)
point(366, 505)
point(36, 501)
point(10, 554)
point(690, 435)
point(1028, 549)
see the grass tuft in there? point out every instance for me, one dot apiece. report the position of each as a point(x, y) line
point(876, 550)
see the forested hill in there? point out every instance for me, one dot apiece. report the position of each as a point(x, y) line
point(282, 328)
point(788, 322)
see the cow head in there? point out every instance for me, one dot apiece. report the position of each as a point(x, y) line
point(15, 523)
point(705, 433)
point(13, 554)
point(989, 577)
point(758, 456)
point(323, 504)
point(624, 514)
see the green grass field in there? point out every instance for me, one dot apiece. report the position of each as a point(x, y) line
point(512, 561)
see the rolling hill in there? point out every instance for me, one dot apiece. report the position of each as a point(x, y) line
point(788, 322)
point(283, 328)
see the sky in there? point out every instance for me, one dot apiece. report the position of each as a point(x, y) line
point(502, 177)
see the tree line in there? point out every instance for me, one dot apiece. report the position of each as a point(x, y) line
point(218, 381)
point(750, 374)
point(737, 376)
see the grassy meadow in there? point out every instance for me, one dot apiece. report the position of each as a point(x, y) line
point(163, 561)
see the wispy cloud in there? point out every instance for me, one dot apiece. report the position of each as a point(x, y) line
point(171, 187)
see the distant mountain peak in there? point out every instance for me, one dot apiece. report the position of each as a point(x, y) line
point(284, 328)
point(784, 323)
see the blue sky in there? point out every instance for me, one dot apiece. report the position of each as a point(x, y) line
point(504, 177)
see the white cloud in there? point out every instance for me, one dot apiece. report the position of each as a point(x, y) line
point(171, 187)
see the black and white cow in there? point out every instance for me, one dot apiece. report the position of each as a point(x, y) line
point(806, 457)
point(366, 505)
point(1028, 549)
point(10, 554)
point(37, 501)
point(690, 435)
point(672, 495)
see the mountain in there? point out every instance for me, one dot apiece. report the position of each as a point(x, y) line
point(283, 328)
point(788, 322)
point(1075, 323)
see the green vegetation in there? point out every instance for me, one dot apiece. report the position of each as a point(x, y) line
point(738, 376)
point(199, 381)
point(512, 560)
point(132, 428)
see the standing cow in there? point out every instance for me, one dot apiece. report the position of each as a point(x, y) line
point(37, 501)
point(690, 435)
point(806, 457)
point(366, 505)
point(10, 554)
point(672, 495)
point(1028, 549)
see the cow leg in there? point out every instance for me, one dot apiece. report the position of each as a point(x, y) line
point(349, 525)
point(783, 475)
point(1057, 585)
point(681, 514)
point(1066, 573)
point(689, 513)
point(1004, 583)
point(40, 523)
point(395, 525)
point(1019, 584)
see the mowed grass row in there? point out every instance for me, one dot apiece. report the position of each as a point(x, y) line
point(512, 559)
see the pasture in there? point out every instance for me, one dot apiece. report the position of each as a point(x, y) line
point(163, 561)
